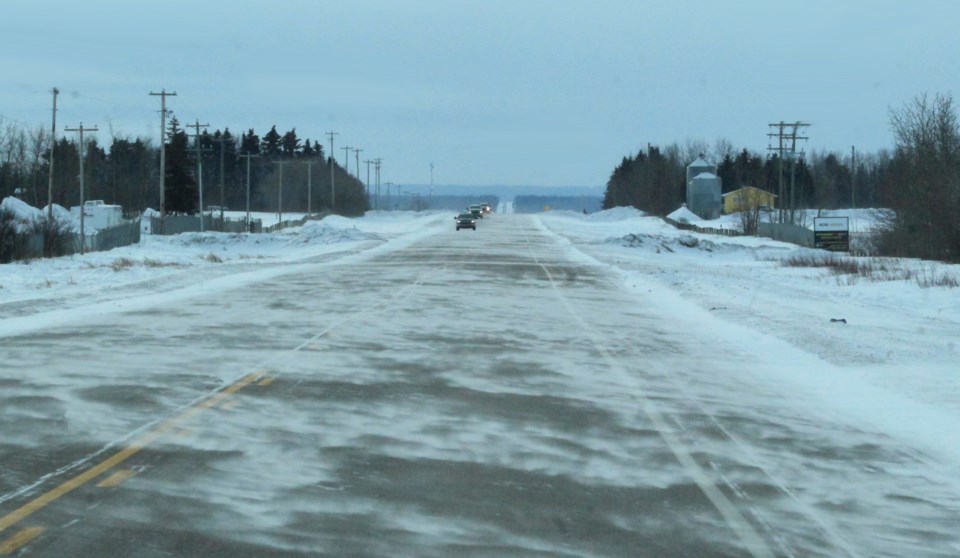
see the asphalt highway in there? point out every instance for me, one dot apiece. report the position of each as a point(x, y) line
point(476, 393)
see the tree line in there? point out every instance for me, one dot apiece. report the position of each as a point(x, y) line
point(919, 179)
point(126, 171)
point(654, 180)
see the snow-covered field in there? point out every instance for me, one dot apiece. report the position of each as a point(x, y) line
point(897, 342)
point(193, 257)
point(861, 220)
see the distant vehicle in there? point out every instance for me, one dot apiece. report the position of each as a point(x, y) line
point(486, 208)
point(466, 221)
point(476, 210)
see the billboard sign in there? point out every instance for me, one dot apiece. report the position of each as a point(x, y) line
point(832, 233)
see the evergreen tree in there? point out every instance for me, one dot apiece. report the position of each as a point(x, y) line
point(727, 171)
point(97, 173)
point(270, 147)
point(307, 150)
point(250, 143)
point(234, 171)
point(132, 175)
point(180, 184)
point(66, 183)
point(290, 145)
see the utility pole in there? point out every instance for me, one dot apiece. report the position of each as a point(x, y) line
point(853, 177)
point(280, 193)
point(389, 201)
point(53, 145)
point(248, 156)
point(779, 150)
point(196, 142)
point(221, 140)
point(377, 162)
point(356, 152)
point(163, 148)
point(791, 136)
point(367, 185)
point(309, 186)
point(81, 130)
point(346, 158)
point(333, 189)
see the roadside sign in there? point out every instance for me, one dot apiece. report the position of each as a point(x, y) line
point(832, 233)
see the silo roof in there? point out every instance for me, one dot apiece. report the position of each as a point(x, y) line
point(705, 175)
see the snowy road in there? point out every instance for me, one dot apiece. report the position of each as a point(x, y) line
point(488, 393)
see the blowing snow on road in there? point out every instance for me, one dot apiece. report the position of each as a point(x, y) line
point(547, 385)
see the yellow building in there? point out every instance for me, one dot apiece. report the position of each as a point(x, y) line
point(748, 197)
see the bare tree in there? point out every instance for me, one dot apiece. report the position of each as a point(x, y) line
point(693, 148)
point(750, 202)
point(723, 148)
point(923, 183)
point(38, 145)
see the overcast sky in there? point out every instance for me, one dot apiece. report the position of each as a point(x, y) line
point(492, 92)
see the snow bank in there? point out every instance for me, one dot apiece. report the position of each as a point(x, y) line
point(23, 213)
point(63, 215)
point(320, 232)
point(615, 214)
point(684, 215)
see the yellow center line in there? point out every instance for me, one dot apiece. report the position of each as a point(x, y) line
point(116, 479)
point(135, 446)
point(20, 539)
point(266, 381)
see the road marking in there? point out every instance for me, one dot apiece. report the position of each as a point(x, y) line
point(752, 540)
point(132, 449)
point(116, 479)
point(152, 435)
point(230, 404)
point(19, 540)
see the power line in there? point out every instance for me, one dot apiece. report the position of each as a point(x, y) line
point(163, 149)
point(377, 162)
point(196, 126)
point(248, 156)
point(280, 193)
point(222, 140)
point(309, 164)
point(333, 189)
point(346, 158)
point(791, 136)
point(53, 144)
point(853, 177)
point(81, 130)
point(367, 188)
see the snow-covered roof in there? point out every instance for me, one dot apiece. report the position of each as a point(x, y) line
point(699, 162)
point(740, 189)
point(705, 175)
